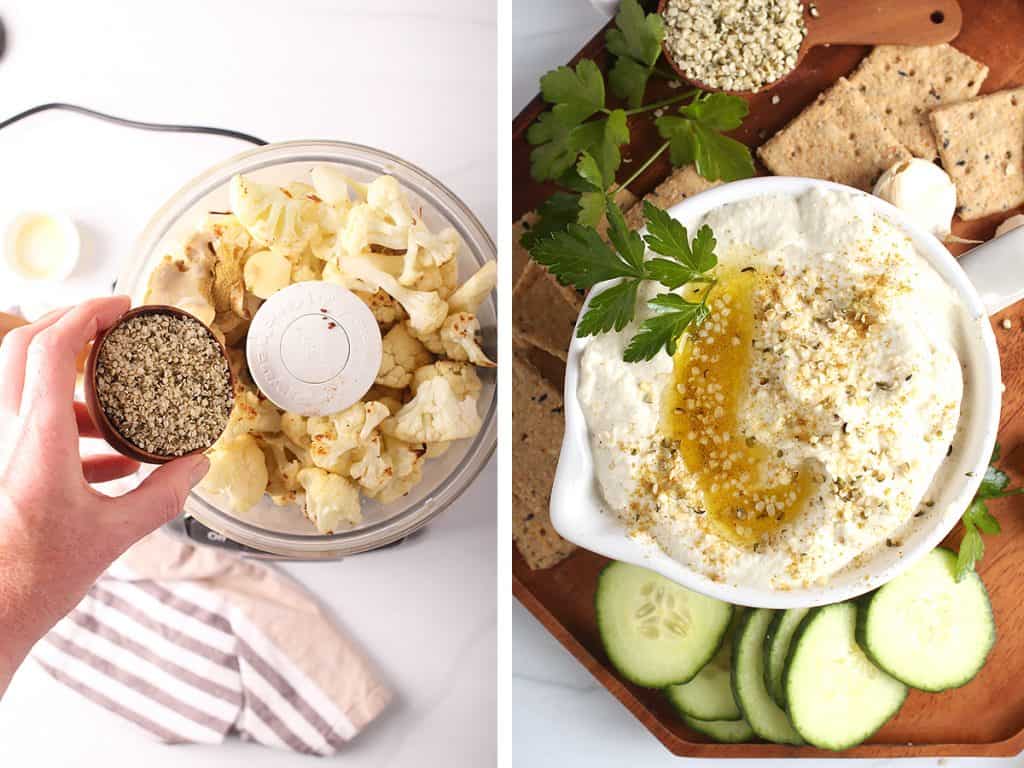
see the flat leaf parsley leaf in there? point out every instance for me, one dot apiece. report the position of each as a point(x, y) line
point(673, 315)
point(694, 137)
point(636, 42)
point(978, 520)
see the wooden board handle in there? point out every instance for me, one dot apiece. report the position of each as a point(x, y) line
point(880, 22)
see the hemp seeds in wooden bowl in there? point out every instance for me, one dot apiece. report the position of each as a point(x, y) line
point(158, 385)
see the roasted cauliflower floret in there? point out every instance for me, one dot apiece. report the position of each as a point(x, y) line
point(426, 255)
point(426, 309)
point(386, 196)
point(186, 280)
point(461, 376)
point(402, 355)
point(471, 294)
point(460, 337)
point(274, 216)
point(372, 468)
point(334, 437)
point(386, 311)
point(282, 471)
point(238, 471)
point(266, 272)
point(252, 414)
point(332, 501)
point(407, 469)
point(444, 408)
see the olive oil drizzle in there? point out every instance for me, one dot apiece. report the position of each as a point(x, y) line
point(701, 408)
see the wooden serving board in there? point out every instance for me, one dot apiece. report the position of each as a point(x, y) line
point(985, 717)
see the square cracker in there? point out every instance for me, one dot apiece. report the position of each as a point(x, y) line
point(981, 142)
point(519, 254)
point(903, 83)
point(544, 312)
point(837, 138)
point(537, 428)
point(680, 184)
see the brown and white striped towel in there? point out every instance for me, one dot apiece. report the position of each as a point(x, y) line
point(192, 644)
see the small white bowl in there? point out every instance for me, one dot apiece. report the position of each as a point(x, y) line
point(48, 239)
point(578, 511)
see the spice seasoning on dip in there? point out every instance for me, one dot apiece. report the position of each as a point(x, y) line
point(163, 382)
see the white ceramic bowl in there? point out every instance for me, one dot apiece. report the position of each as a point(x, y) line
point(995, 279)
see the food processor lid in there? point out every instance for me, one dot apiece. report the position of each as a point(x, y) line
point(314, 348)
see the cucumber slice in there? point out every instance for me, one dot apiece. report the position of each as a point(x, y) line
point(776, 648)
point(709, 695)
point(655, 632)
point(837, 698)
point(726, 731)
point(925, 629)
point(766, 718)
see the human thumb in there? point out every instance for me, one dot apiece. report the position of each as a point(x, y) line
point(161, 496)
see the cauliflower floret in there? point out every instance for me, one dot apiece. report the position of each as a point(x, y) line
point(401, 356)
point(432, 341)
point(295, 428)
point(461, 376)
point(390, 398)
point(449, 275)
point(251, 414)
point(266, 272)
point(385, 195)
point(426, 309)
point(364, 227)
point(460, 336)
point(333, 186)
point(472, 293)
point(386, 311)
point(372, 469)
point(238, 471)
point(274, 216)
point(185, 281)
point(332, 502)
point(407, 469)
point(437, 413)
point(334, 437)
point(305, 266)
point(426, 255)
point(282, 472)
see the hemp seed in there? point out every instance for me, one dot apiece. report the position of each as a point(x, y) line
point(164, 383)
point(735, 45)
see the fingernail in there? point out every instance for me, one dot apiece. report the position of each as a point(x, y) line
point(199, 469)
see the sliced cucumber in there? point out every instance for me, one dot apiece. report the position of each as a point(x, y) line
point(836, 697)
point(726, 731)
point(776, 648)
point(925, 629)
point(766, 718)
point(655, 632)
point(709, 695)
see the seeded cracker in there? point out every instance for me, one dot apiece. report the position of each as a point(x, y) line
point(902, 84)
point(680, 184)
point(837, 138)
point(519, 254)
point(537, 427)
point(544, 312)
point(980, 143)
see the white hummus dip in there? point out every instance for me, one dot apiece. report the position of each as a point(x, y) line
point(800, 426)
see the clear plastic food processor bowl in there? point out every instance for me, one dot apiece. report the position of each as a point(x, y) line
point(284, 531)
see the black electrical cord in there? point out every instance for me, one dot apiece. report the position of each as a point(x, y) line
point(139, 124)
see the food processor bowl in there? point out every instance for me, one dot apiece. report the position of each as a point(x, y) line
point(284, 531)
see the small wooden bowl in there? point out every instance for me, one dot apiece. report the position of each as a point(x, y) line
point(854, 22)
point(99, 417)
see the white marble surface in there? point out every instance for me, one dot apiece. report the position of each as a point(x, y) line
point(413, 78)
point(560, 716)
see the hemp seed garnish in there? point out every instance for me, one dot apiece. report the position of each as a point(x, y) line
point(164, 383)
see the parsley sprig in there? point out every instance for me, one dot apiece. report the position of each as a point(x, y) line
point(582, 132)
point(978, 520)
point(580, 257)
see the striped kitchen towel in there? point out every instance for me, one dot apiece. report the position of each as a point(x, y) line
point(192, 644)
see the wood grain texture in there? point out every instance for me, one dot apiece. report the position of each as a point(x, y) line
point(985, 717)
